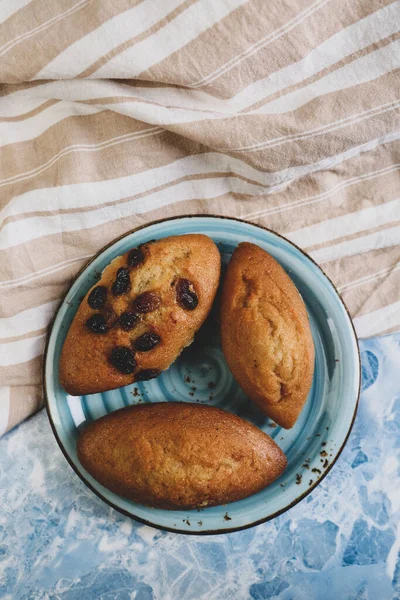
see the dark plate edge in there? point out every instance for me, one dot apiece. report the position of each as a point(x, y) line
point(121, 510)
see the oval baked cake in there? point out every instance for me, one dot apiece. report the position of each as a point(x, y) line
point(266, 336)
point(144, 310)
point(174, 455)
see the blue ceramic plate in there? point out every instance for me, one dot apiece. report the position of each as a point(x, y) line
point(201, 375)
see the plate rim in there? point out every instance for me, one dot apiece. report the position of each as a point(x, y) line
point(98, 493)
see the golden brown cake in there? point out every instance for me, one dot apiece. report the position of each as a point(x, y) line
point(137, 319)
point(266, 336)
point(175, 455)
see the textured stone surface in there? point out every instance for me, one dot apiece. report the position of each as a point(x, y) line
point(59, 541)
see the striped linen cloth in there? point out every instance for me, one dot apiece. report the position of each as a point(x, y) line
point(115, 113)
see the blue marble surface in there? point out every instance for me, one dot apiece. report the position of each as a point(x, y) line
point(59, 541)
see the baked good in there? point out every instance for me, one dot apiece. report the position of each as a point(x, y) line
point(135, 321)
point(174, 455)
point(266, 336)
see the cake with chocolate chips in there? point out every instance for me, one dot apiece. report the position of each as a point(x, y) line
point(144, 310)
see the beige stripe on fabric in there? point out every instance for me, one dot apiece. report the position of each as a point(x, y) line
point(390, 330)
point(51, 288)
point(43, 29)
point(385, 318)
point(375, 292)
point(6, 90)
point(24, 402)
point(28, 21)
point(373, 194)
point(344, 276)
point(314, 209)
point(30, 113)
point(115, 147)
point(377, 185)
point(353, 171)
point(324, 72)
point(352, 275)
point(251, 15)
point(5, 393)
point(361, 230)
point(325, 24)
point(324, 18)
point(138, 38)
point(350, 116)
point(28, 335)
point(29, 373)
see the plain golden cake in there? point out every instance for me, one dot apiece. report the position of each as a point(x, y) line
point(136, 320)
point(179, 456)
point(266, 336)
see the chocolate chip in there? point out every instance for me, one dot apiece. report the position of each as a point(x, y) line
point(147, 374)
point(97, 297)
point(128, 320)
point(147, 342)
point(122, 359)
point(147, 302)
point(123, 273)
point(96, 324)
point(185, 294)
point(122, 282)
point(135, 258)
